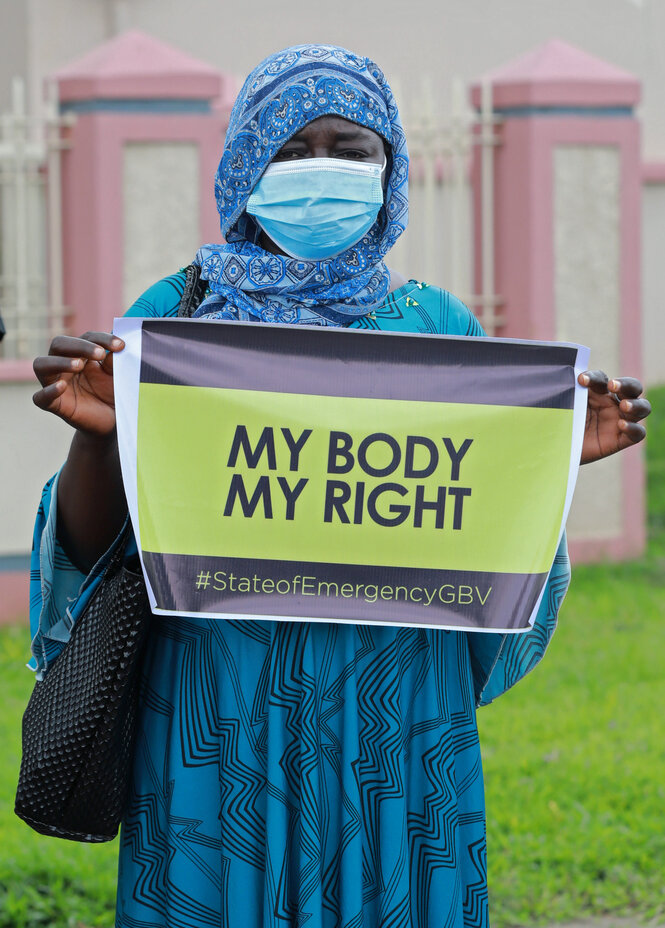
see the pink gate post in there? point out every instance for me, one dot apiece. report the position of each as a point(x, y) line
point(567, 253)
point(137, 200)
point(138, 172)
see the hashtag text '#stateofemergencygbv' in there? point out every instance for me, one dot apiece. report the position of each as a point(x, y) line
point(222, 582)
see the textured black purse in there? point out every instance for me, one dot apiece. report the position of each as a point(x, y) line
point(80, 723)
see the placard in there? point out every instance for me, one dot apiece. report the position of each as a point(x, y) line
point(294, 472)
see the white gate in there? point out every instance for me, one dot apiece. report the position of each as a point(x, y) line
point(31, 302)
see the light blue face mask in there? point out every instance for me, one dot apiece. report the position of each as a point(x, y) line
point(316, 208)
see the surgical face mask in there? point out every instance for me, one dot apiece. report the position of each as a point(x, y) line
point(316, 208)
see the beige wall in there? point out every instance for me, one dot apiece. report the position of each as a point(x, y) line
point(439, 37)
point(166, 175)
point(653, 282)
point(13, 46)
point(33, 447)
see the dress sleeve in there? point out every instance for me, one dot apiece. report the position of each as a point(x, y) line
point(500, 661)
point(59, 591)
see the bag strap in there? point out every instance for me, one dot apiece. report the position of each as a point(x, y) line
point(116, 559)
point(194, 292)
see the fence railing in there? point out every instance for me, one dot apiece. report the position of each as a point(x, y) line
point(438, 246)
point(31, 270)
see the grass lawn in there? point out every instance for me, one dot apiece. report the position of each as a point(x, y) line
point(43, 881)
point(574, 756)
point(574, 765)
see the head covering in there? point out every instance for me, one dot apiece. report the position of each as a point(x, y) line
point(282, 95)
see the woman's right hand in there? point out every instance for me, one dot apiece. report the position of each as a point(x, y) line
point(77, 381)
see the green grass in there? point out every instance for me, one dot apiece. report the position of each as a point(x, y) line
point(43, 881)
point(574, 757)
point(574, 765)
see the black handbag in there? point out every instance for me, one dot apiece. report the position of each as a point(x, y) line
point(80, 723)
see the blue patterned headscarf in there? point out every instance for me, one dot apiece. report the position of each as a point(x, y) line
point(281, 96)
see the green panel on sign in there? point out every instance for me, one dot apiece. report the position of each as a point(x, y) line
point(432, 485)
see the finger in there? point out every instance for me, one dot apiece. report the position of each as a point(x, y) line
point(91, 345)
point(68, 346)
point(105, 339)
point(47, 368)
point(634, 410)
point(632, 431)
point(594, 380)
point(107, 363)
point(49, 397)
point(626, 387)
point(108, 341)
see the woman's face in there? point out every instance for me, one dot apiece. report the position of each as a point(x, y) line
point(329, 137)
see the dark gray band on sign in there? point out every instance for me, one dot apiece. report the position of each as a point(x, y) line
point(462, 599)
point(344, 362)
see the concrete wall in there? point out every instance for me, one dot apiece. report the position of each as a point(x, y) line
point(653, 281)
point(588, 303)
point(13, 46)
point(155, 240)
point(457, 37)
point(34, 446)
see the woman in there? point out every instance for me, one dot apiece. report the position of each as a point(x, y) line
point(291, 773)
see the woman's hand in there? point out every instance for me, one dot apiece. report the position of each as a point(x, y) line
point(77, 381)
point(614, 411)
point(77, 385)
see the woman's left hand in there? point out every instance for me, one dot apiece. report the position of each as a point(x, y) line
point(614, 411)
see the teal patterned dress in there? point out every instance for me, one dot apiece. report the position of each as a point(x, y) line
point(295, 774)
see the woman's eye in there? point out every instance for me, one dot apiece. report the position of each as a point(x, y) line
point(287, 155)
point(352, 155)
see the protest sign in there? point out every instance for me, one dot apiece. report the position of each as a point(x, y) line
point(322, 473)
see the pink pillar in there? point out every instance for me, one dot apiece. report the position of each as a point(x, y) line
point(567, 245)
point(129, 91)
